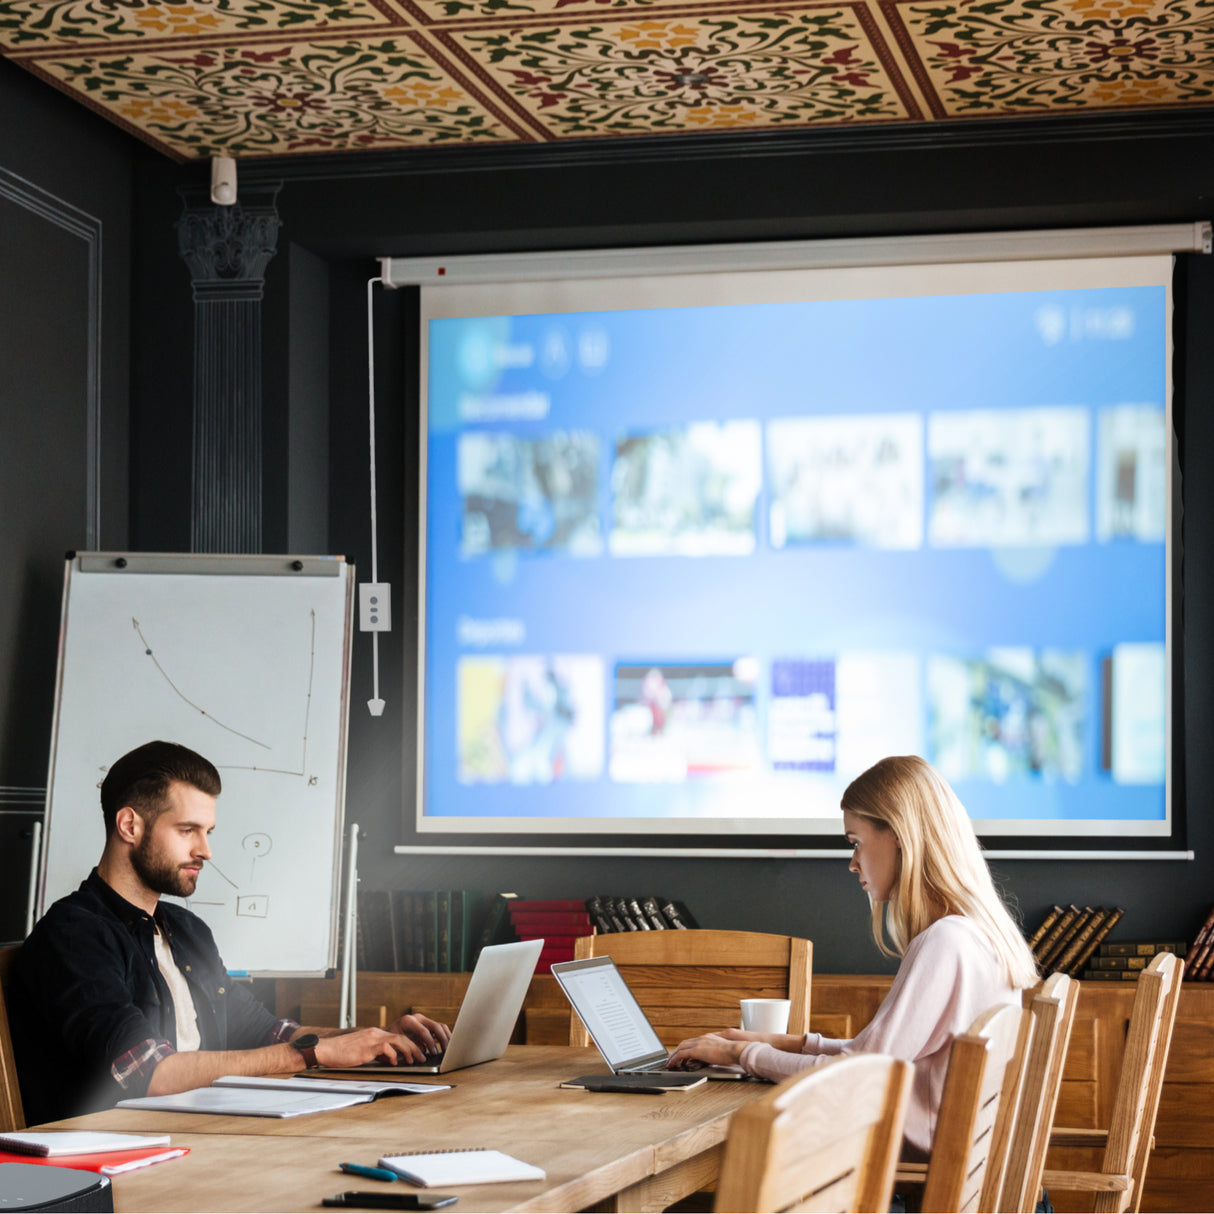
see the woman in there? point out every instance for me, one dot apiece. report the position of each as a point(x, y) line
point(918, 860)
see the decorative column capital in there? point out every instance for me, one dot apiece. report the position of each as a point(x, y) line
point(227, 249)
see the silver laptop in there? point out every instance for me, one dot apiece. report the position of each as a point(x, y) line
point(486, 1017)
point(618, 1027)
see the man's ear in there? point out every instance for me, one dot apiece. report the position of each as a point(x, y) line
point(128, 825)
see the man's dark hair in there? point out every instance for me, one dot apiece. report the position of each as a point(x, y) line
point(142, 777)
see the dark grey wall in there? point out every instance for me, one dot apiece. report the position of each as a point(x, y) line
point(65, 197)
point(338, 215)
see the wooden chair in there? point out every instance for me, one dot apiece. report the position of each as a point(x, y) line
point(977, 1113)
point(827, 1139)
point(1117, 1183)
point(689, 982)
point(12, 1116)
point(1053, 1013)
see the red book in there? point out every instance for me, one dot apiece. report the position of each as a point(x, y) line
point(549, 955)
point(549, 904)
point(537, 931)
point(110, 1163)
point(551, 939)
point(551, 918)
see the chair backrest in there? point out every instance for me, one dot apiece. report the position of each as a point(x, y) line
point(1148, 1040)
point(12, 1116)
point(826, 1139)
point(690, 982)
point(1053, 1013)
point(977, 1109)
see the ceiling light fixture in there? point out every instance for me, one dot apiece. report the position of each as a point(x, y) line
point(223, 181)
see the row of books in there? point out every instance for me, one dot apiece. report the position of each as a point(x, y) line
point(1199, 959)
point(1068, 936)
point(443, 931)
point(427, 931)
point(638, 914)
point(1071, 940)
point(559, 922)
point(1124, 960)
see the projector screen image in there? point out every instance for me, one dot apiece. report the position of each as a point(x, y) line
point(698, 551)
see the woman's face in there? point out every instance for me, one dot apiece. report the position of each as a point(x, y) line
point(874, 856)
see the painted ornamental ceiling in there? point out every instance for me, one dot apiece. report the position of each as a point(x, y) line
point(248, 78)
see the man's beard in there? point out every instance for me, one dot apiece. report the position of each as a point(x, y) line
point(157, 874)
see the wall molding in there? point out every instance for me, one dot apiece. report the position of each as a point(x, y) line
point(968, 134)
point(88, 228)
point(17, 800)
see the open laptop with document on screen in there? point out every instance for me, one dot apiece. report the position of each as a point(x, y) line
point(486, 1017)
point(618, 1027)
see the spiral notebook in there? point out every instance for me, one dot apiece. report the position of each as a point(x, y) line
point(431, 1169)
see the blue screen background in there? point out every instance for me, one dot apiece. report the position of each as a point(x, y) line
point(654, 370)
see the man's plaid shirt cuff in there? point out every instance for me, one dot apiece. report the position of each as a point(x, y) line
point(140, 1061)
point(281, 1032)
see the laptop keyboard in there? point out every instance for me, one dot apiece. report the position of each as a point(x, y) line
point(378, 1064)
point(648, 1068)
point(429, 1060)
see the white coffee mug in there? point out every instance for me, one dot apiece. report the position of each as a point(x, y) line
point(765, 1015)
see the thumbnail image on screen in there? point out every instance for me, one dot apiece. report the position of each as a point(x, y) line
point(691, 568)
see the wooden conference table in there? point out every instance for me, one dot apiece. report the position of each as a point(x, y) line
point(600, 1149)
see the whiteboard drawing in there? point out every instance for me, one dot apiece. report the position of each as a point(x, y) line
point(256, 905)
point(250, 671)
point(148, 650)
point(210, 717)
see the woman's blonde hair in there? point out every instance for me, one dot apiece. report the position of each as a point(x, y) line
point(941, 862)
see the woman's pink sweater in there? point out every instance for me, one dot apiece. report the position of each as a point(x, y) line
point(949, 976)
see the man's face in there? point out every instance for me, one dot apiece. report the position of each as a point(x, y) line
point(171, 852)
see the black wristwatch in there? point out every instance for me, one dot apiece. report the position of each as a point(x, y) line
point(306, 1045)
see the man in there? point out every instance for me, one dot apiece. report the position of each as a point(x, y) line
point(116, 994)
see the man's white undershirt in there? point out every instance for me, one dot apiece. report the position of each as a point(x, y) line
point(188, 1037)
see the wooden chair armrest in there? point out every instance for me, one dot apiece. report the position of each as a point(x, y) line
point(1066, 1137)
point(1087, 1182)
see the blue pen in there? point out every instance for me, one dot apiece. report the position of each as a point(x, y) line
point(358, 1169)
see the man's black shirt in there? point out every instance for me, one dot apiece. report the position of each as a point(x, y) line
point(91, 1015)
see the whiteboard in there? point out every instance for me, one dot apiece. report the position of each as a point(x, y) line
point(245, 659)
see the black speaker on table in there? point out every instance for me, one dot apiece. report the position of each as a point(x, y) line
point(38, 1186)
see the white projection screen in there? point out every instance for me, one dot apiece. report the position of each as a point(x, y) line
point(699, 547)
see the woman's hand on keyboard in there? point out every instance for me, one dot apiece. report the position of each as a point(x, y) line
point(712, 1048)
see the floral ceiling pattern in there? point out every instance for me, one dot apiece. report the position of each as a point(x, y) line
point(281, 77)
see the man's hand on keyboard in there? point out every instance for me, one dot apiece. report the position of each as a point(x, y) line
point(429, 1034)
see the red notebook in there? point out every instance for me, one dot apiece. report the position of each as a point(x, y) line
point(109, 1163)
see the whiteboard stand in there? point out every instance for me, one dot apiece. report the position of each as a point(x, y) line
point(35, 868)
point(347, 1016)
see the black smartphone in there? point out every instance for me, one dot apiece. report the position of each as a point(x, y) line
point(391, 1201)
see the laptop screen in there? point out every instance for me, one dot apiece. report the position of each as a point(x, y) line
point(611, 1014)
